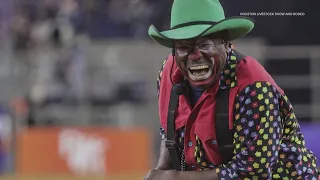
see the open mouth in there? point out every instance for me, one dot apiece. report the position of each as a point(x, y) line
point(199, 72)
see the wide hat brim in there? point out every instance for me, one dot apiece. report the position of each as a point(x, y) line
point(236, 27)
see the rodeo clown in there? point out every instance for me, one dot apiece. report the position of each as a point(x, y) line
point(222, 115)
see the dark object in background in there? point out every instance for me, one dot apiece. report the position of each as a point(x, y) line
point(133, 92)
point(56, 37)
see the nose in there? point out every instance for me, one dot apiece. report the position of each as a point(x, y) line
point(195, 55)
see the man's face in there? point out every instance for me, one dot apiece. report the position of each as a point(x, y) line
point(201, 60)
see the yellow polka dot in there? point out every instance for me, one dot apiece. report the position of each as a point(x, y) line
point(271, 106)
point(269, 153)
point(237, 146)
point(271, 118)
point(258, 154)
point(267, 125)
point(241, 139)
point(261, 108)
point(264, 89)
point(235, 135)
point(271, 130)
point(294, 173)
point(255, 177)
point(204, 164)
point(276, 176)
point(279, 170)
point(258, 84)
point(287, 130)
point(289, 164)
point(261, 131)
point(217, 170)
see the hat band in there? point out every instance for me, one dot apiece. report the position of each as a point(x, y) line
point(193, 23)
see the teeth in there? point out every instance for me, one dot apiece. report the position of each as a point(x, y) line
point(199, 74)
point(199, 67)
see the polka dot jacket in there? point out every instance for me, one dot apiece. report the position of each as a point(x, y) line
point(267, 138)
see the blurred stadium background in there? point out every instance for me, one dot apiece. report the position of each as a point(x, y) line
point(78, 81)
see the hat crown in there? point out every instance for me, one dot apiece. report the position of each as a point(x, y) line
point(185, 11)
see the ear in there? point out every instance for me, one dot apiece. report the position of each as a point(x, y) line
point(227, 45)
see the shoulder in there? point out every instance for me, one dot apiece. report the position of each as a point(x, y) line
point(170, 71)
point(166, 62)
point(259, 89)
point(250, 72)
point(259, 97)
point(165, 65)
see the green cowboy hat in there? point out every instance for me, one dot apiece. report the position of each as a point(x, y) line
point(194, 18)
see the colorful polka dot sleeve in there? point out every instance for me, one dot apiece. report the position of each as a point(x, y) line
point(267, 138)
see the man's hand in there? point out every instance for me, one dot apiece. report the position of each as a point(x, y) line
point(160, 175)
point(164, 162)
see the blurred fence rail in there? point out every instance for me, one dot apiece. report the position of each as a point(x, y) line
point(81, 85)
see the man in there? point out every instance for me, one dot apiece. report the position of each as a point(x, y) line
point(266, 142)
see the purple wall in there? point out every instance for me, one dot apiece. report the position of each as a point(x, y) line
point(311, 132)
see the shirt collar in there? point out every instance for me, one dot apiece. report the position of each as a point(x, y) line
point(228, 78)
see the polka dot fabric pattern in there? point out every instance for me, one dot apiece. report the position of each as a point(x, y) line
point(267, 138)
